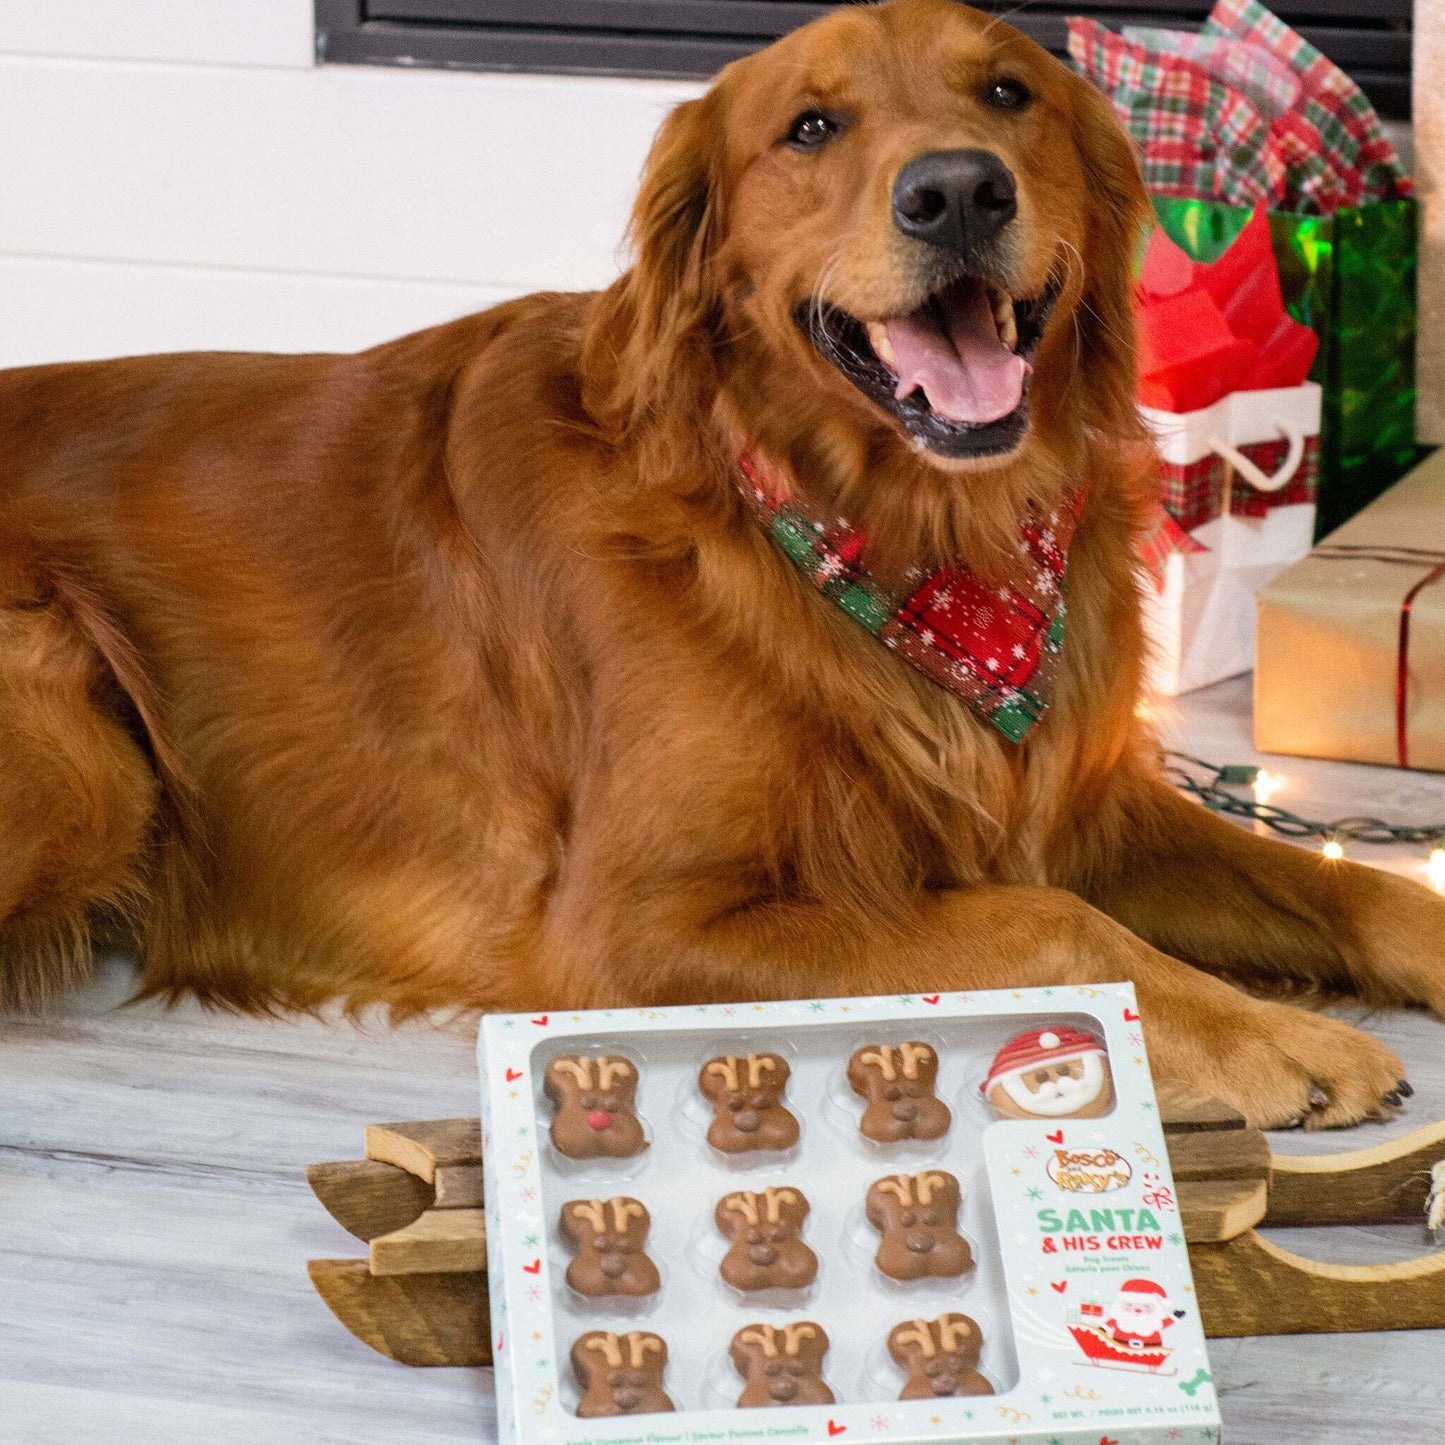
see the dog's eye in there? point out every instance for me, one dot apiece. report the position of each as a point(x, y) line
point(811, 130)
point(1007, 94)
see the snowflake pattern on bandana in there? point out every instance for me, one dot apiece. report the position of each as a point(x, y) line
point(994, 645)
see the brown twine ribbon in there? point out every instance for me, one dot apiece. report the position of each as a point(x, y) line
point(1404, 557)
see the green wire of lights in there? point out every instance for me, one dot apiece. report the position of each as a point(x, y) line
point(1214, 786)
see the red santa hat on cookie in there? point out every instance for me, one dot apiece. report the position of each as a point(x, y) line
point(1143, 1287)
point(1054, 1045)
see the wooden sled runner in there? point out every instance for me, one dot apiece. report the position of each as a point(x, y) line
point(421, 1295)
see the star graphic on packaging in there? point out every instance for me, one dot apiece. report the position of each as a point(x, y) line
point(509, 1023)
point(1030, 1151)
point(532, 1240)
point(1036, 1193)
point(1032, 1290)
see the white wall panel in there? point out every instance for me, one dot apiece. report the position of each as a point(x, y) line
point(54, 310)
point(225, 32)
point(517, 181)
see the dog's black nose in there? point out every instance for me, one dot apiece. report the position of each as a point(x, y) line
point(954, 199)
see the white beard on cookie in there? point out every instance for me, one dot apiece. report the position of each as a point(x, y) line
point(1051, 1073)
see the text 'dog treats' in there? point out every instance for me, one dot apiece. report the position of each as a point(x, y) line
point(940, 1356)
point(595, 1098)
point(1053, 1073)
point(747, 1098)
point(897, 1085)
point(620, 1374)
point(610, 1237)
point(781, 1365)
point(765, 1251)
point(917, 1217)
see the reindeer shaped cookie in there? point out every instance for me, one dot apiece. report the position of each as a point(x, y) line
point(781, 1366)
point(747, 1100)
point(595, 1101)
point(917, 1215)
point(610, 1236)
point(941, 1357)
point(620, 1374)
point(897, 1084)
point(766, 1252)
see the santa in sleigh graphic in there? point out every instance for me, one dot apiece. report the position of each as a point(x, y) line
point(1129, 1335)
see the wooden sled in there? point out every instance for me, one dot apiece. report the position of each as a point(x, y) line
point(421, 1295)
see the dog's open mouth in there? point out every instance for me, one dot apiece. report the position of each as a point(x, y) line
point(954, 372)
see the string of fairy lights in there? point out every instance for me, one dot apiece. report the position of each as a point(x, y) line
point(1222, 789)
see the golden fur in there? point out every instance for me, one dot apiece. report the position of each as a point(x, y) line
point(455, 672)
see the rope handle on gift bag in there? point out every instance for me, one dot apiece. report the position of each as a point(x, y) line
point(1263, 481)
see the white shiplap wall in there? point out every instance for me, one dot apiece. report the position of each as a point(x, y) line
point(178, 174)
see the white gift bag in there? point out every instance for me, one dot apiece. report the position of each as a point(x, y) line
point(1200, 616)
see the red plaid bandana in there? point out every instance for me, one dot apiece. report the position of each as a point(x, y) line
point(994, 645)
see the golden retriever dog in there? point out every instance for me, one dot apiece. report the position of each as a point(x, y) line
point(481, 669)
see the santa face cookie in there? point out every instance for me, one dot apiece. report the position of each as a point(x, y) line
point(765, 1250)
point(940, 1356)
point(747, 1098)
point(897, 1084)
point(781, 1365)
point(1052, 1073)
point(917, 1217)
point(595, 1097)
point(610, 1237)
point(620, 1374)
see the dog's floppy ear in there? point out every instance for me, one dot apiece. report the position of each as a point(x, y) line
point(659, 321)
point(1119, 214)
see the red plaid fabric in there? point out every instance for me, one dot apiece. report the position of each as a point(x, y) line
point(1335, 118)
point(1193, 494)
point(996, 645)
point(1163, 538)
point(1195, 136)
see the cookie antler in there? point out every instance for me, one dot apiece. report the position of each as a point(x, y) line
point(757, 1065)
point(898, 1185)
point(883, 1057)
point(639, 1345)
point(609, 1069)
point(580, 1069)
point(744, 1204)
point(913, 1055)
point(765, 1337)
point(623, 1210)
point(794, 1335)
point(726, 1068)
point(591, 1210)
point(775, 1199)
point(917, 1333)
point(608, 1346)
point(954, 1328)
point(927, 1184)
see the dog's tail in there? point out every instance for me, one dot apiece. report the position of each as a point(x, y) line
point(82, 754)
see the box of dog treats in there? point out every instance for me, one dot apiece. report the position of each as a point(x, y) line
point(928, 1218)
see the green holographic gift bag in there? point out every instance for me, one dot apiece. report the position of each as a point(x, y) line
point(1350, 277)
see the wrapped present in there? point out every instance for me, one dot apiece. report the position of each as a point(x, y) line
point(1351, 640)
point(1246, 114)
point(1222, 387)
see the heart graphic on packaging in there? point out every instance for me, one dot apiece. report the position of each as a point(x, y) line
point(930, 998)
point(541, 1022)
point(1130, 1017)
point(1057, 1137)
point(534, 1268)
point(513, 1075)
point(1058, 1285)
point(834, 1428)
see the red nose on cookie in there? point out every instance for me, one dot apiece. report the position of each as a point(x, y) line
point(598, 1119)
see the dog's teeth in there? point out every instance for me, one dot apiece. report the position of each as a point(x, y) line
point(1003, 318)
point(878, 340)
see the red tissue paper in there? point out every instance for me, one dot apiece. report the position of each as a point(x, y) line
point(1207, 330)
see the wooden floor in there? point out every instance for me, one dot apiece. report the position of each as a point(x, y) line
point(155, 1225)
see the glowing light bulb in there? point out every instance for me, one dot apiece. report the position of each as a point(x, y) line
point(1435, 869)
point(1266, 785)
point(1333, 849)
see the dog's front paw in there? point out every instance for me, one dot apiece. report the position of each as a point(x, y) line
point(1284, 1067)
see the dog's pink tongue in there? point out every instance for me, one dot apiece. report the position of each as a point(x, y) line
point(953, 352)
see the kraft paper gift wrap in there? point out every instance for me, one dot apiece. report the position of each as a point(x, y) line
point(1328, 673)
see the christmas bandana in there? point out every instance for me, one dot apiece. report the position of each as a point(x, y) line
point(996, 645)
